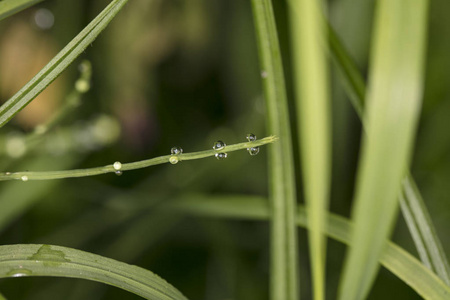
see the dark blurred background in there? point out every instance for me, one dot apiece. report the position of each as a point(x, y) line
point(182, 73)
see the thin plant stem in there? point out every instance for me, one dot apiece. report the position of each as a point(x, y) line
point(118, 167)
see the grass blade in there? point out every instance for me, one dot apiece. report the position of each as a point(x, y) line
point(392, 115)
point(313, 112)
point(417, 219)
point(426, 230)
point(394, 258)
point(284, 261)
point(45, 260)
point(10, 7)
point(59, 63)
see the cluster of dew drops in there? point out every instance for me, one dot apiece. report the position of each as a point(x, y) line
point(218, 146)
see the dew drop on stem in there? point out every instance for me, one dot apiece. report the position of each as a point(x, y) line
point(176, 151)
point(221, 155)
point(219, 145)
point(118, 173)
point(251, 137)
point(24, 178)
point(117, 165)
point(173, 159)
point(253, 150)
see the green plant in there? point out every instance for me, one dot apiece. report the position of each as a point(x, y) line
point(390, 119)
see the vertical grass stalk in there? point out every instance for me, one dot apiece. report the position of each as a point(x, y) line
point(392, 112)
point(313, 111)
point(284, 261)
point(413, 207)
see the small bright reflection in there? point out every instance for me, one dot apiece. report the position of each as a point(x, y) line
point(44, 18)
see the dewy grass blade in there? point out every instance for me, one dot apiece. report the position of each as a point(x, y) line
point(313, 113)
point(46, 260)
point(392, 111)
point(284, 261)
point(10, 7)
point(418, 219)
point(394, 258)
point(59, 63)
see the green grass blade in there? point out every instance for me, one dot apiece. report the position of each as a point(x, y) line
point(394, 258)
point(353, 81)
point(415, 232)
point(313, 113)
point(393, 107)
point(418, 220)
point(284, 261)
point(59, 63)
point(427, 231)
point(10, 7)
point(2, 297)
point(45, 260)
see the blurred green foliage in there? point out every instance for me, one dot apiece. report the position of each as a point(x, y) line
point(184, 73)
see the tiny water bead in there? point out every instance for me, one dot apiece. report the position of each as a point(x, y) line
point(117, 165)
point(24, 178)
point(251, 137)
point(253, 150)
point(173, 160)
point(219, 145)
point(221, 155)
point(118, 173)
point(264, 74)
point(176, 151)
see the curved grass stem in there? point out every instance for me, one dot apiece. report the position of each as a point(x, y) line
point(47, 175)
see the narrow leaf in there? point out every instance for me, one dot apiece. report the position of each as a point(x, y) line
point(418, 220)
point(45, 260)
point(394, 258)
point(393, 108)
point(284, 261)
point(427, 231)
point(59, 63)
point(311, 85)
point(10, 7)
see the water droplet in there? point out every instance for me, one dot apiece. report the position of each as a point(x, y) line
point(221, 155)
point(117, 165)
point(176, 151)
point(253, 150)
point(24, 178)
point(8, 173)
point(219, 145)
point(173, 160)
point(264, 74)
point(20, 272)
point(118, 173)
point(251, 137)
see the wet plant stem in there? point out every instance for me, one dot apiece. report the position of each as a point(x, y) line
point(119, 167)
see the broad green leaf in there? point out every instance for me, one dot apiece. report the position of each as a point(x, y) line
point(10, 7)
point(46, 260)
point(392, 111)
point(413, 206)
point(284, 261)
point(394, 258)
point(314, 118)
point(59, 63)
